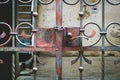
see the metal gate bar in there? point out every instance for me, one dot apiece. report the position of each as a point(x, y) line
point(59, 39)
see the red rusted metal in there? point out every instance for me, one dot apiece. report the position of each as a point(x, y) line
point(59, 40)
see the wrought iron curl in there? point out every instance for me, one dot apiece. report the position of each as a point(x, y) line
point(115, 36)
point(4, 2)
point(91, 4)
point(91, 36)
point(71, 3)
point(112, 2)
point(9, 36)
point(23, 23)
point(28, 1)
point(46, 3)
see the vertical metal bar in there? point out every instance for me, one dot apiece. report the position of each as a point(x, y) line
point(80, 33)
point(13, 67)
point(34, 23)
point(81, 66)
point(13, 41)
point(59, 37)
point(103, 43)
point(35, 65)
point(13, 22)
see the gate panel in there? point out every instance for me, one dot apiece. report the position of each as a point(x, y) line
point(89, 25)
point(5, 39)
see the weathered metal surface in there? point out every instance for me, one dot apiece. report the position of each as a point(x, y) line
point(98, 35)
point(45, 37)
point(59, 40)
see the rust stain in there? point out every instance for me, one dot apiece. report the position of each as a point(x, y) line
point(42, 43)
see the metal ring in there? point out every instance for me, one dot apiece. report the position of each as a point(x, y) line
point(118, 45)
point(88, 36)
point(91, 4)
point(10, 35)
point(17, 35)
point(45, 3)
point(112, 2)
point(25, 1)
point(4, 2)
point(70, 3)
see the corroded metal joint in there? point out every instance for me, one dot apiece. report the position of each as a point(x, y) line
point(59, 28)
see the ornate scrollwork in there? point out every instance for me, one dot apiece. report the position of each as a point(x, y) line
point(4, 2)
point(46, 2)
point(5, 36)
point(113, 34)
point(91, 30)
point(113, 2)
point(22, 33)
point(71, 2)
point(91, 2)
point(25, 1)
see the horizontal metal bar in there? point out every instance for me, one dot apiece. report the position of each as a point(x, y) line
point(24, 12)
point(24, 5)
point(24, 27)
point(24, 20)
point(32, 49)
point(93, 48)
point(50, 49)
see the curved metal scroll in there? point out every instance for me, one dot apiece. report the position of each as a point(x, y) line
point(27, 1)
point(46, 2)
point(69, 2)
point(113, 34)
point(113, 2)
point(91, 2)
point(92, 33)
point(23, 23)
point(4, 2)
point(3, 34)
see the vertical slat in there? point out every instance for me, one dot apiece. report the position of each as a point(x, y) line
point(13, 41)
point(103, 42)
point(59, 39)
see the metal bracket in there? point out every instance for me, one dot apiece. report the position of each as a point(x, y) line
point(59, 28)
point(103, 32)
point(13, 33)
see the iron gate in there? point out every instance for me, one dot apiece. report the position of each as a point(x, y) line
point(24, 35)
